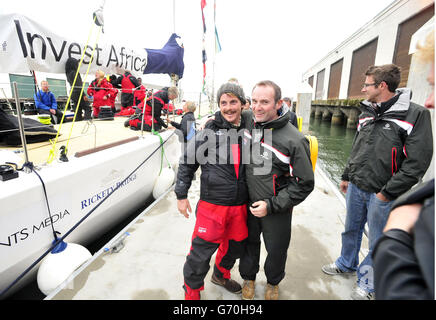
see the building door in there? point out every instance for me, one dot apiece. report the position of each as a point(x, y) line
point(363, 58)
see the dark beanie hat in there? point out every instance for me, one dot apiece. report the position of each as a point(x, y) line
point(234, 88)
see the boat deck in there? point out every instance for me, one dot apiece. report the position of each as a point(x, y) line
point(150, 265)
point(84, 135)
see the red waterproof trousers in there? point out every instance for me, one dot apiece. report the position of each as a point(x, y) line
point(217, 227)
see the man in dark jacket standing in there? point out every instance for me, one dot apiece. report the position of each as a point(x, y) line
point(391, 151)
point(71, 67)
point(221, 211)
point(279, 177)
point(293, 119)
point(404, 255)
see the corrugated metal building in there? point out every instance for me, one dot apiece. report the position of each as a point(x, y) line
point(385, 39)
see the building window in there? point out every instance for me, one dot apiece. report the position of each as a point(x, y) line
point(311, 81)
point(335, 79)
point(25, 85)
point(405, 31)
point(57, 86)
point(319, 92)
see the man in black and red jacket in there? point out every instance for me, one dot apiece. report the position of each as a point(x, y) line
point(128, 84)
point(221, 213)
point(159, 99)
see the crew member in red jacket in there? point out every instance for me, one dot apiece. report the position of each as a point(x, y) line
point(160, 98)
point(102, 91)
point(139, 94)
point(128, 84)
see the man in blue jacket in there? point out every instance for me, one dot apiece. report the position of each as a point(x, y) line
point(45, 103)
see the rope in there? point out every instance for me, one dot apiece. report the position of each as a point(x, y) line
point(81, 91)
point(32, 168)
point(163, 152)
point(59, 240)
point(52, 151)
point(46, 200)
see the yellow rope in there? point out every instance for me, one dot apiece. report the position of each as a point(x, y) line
point(52, 153)
point(81, 91)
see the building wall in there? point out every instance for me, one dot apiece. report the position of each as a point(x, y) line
point(384, 27)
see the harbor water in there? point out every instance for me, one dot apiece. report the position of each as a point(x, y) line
point(334, 146)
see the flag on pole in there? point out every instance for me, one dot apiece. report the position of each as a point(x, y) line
point(217, 42)
point(203, 4)
point(204, 56)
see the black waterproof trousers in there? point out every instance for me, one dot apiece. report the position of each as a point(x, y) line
point(276, 230)
point(126, 99)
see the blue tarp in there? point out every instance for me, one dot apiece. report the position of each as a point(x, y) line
point(169, 59)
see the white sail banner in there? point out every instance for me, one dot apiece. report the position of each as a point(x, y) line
point(27, 45)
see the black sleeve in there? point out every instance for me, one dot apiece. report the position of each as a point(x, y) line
point(294, 120)
point(301, 183)
point(134, 81)
point(345, 176)
point(397, 274)
point(175, 124)
point(117, 82)
point(188, 165)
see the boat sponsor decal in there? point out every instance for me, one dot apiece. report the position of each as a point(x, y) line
point(46, 51)
point(94, 199)
point(26, 232)
point(114, 175)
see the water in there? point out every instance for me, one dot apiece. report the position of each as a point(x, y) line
point(334, 146)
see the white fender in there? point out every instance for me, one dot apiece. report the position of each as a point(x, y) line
point(163, 182)
point(55, 268)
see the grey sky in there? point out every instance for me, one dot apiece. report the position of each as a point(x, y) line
point(274, 39)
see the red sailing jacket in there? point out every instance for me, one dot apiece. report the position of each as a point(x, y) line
point(99, 90)
point(127, 85)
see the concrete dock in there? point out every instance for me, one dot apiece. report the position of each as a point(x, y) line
point(150, 265)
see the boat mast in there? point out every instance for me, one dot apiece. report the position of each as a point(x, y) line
point(212, 100)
